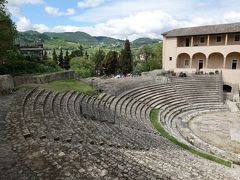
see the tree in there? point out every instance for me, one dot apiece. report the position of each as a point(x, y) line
point(45, 57)
point(66, 61)
point(86, 55)
point(156, 62)
point(8, 32)
point(145, 52)
point(126, 60)
point(98, 58)
point(78, 52)
point(60, 59)
point(110, 62)
point(54, 56)
point(83, 67)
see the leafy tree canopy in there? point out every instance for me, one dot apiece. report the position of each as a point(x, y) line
point(126, 60)
point(8, 31)
point(82, 66)
point(98, 58)
point(110, 62)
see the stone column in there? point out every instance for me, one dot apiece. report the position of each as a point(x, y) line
point(191, 61)
point(191, 41)
point(224, 62)
point(226, 39)
point(206, 66)
point(208, 40)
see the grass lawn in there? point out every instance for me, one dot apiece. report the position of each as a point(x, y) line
point(65, 85)
point(154, 119)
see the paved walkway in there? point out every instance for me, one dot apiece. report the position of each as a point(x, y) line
point(9, 168)
point(219, 129)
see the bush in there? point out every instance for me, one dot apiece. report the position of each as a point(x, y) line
point(83, 67)
point(17, 64)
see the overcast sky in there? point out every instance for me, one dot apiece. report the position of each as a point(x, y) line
point(120, 18)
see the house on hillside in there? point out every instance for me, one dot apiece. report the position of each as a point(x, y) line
point(32, 50)
point(205, 49)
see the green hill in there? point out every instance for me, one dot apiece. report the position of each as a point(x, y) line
point(109, 40)
point(71, 40)
point(141, 41)
point(31, 37)
point(77, 37)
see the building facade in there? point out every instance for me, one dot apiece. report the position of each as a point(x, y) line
point(32, 50)
point(204, 48)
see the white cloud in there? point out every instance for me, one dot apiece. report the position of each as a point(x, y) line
point(123, 8)
point(15, 5)
point(23, 24)
point(55, 11)
point(41, 28)
point(90, 3)
point(131, 19)
point(232, 16)
point(143, 24)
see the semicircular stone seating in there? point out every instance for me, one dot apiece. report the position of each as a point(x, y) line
point(68, 135)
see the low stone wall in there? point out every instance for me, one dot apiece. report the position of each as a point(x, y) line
point(118, 86)
point(154, 73)
point(6, 84)
point(45, 78)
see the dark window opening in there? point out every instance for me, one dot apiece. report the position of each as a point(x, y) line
point(237, 38)
point(202, 40)
point(170, 58)
point(234, 64)
point(227, 88)
point(200, 64)
point(187, 42)
point(219, 38)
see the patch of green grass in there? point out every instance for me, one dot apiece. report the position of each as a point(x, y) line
point(154, 119)
point(64, 85)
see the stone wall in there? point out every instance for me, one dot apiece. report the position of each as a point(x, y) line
point(154, 73)
point(45, 78)
point(117, 86)
point(6, 84)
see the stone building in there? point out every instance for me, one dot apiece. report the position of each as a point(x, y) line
point(31, 50)
point(206, 49)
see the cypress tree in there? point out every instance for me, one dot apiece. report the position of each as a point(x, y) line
point(66, 64)
point(60, 59)
point(54, 56)
point(126, 59)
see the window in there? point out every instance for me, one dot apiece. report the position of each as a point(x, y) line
point(202, 39)
point(234, 64)
point(186, 63)
point(219, 38)
point(170, 58)
point(237, 38)
point(187, 42)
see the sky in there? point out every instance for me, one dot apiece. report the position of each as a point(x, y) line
point(120, 18)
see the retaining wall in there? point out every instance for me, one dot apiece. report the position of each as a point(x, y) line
point(45, 78)
point(8, 83)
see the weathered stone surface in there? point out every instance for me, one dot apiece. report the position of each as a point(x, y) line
point(39, 79)
point(125, 147)
point(6, 84)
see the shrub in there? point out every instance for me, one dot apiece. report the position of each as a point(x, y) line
point(83, 67)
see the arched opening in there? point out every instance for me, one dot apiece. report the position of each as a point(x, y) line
point(199, 61)
point(233, 60)
point(215, 61)
point(183, 60)
point(227, 88)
